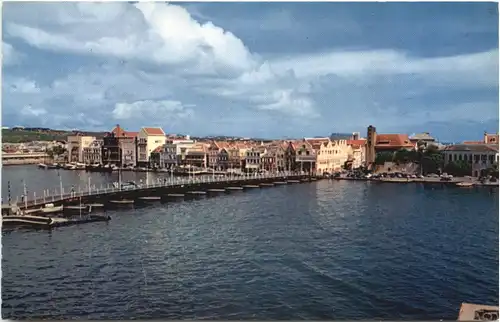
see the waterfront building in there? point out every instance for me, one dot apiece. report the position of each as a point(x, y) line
point(218, 155)
point(479, 156)
point(93, 153)
point(305, 156)
point(289, 155)
point(112, 146)
point(148, 139)
point(128, 147)
point(333, 155)
point(252, 159)
point(165, 156)
point(273, 158)
point(358, 150)
point(76, 146)
point(234, 160)
point(196, 155)
point(376, 143)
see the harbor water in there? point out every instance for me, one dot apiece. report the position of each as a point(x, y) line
point(319, 250)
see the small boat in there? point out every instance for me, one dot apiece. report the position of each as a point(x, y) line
point(53, 166)
point(70, 210)
point(464, 184)
point(43, 166)
point(50, 208)
point(122, 203)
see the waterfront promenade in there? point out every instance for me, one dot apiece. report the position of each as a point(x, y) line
point(162, 186)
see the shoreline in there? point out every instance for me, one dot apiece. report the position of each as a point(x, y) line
point(454, 181)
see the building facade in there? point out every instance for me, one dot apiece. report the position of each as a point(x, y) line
point(93, 153)
point(479, 156)
point(148, 140)
point(252, 159)
point(76, 146)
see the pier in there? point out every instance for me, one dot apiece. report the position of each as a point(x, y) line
point(172, 187)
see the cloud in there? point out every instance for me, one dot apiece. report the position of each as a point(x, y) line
point(30, 111)
point(10, 56)
point(22, 86)
point(472, 69)
point(158, 32)
point(148, 62)
point(151, 110)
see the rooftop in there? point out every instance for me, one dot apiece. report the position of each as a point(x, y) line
point(393, 141)
point(154, 131)
point(472, 147)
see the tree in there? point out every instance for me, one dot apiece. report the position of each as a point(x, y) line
point(383, 157)
point(58, 150)
point(458, 168)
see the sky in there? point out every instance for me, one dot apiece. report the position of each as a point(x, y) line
point(271, 70)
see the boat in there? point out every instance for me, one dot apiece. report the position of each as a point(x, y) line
point(43, 166)
point(464, 184)
point(26, 221)
point(70, 210)
point(50, 208)
point(98, 168)
point(53, 166)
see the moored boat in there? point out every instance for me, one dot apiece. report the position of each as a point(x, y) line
point(464, 184)
point(43, 166)
point(50, 208)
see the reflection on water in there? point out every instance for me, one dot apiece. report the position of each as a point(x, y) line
point(330, 249)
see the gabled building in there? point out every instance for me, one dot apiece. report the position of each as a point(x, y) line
point(218, 156)
point(93, 153)
point(358, 150)
point(76, 146)
point(113, 145)
point(305, 156)
point(148, 140)
point(333, 155)
point(252, 159)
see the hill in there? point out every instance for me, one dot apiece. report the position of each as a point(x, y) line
point(28, 135)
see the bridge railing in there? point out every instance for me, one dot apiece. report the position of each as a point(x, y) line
point(55, 194)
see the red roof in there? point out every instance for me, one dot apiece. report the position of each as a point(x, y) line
point(393, 141)
point(153, 131)
point(356, 142)
point(120, 132)
point(473, 142)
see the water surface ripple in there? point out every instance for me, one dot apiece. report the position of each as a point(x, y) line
point(325, 250)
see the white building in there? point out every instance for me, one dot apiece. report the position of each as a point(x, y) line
point(76, 146)
point(148, 140)
point(480, 156)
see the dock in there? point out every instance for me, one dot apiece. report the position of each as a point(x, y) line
point(197, 193)
point(123, 202)
point(173, 187)
point(216, 190)
point(175, 195)
point(150, 198)
point(234, 188)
